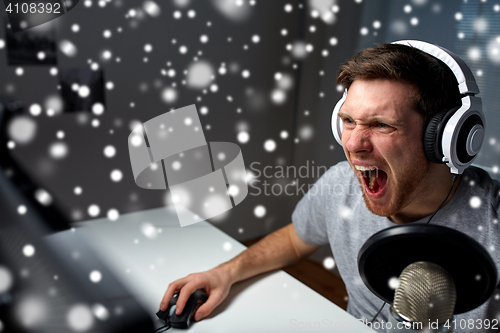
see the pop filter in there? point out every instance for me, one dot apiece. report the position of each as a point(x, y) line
point(385, 254)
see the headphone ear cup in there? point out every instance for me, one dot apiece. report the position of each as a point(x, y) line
point(432, 138)
point(433, 135)
point(336, 122)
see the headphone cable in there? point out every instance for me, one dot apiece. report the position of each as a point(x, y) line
point(380, 310)
point(455, 177)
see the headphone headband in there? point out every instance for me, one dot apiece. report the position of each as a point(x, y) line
point(466, 81)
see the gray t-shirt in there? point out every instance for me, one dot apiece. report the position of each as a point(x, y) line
point(333, 211)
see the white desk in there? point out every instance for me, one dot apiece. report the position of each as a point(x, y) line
point(273, 302)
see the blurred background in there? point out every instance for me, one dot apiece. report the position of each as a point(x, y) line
point(262, 74)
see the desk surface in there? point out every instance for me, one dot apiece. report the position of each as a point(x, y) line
point(147, 250)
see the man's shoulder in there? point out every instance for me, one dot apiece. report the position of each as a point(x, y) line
point(482, 185)
point(481, 178)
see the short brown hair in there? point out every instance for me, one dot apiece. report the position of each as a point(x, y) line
point(436, 83)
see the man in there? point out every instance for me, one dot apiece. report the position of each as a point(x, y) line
point(392, 92)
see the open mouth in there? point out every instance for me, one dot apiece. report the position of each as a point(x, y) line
point(375, 179)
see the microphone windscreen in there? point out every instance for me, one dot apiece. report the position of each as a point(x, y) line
point(425, 292)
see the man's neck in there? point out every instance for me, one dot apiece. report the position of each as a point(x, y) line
point(429, 198)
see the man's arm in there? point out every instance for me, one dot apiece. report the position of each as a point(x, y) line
point(277, 250)
point(280, 249)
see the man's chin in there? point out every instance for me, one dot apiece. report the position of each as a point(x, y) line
point(379, 208)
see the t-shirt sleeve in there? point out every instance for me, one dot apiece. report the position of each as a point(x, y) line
point(308, 217)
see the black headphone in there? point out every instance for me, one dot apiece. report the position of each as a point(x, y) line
point(452, 136)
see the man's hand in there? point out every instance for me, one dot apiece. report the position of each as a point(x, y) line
point(216, 283)
point(277, 250)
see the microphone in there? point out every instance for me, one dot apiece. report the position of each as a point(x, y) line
point(424, 300)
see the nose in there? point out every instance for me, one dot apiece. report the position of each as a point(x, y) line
point(357, 140)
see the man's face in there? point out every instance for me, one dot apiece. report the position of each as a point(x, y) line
point(382, 131)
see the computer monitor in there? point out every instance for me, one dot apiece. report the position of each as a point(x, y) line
point(51, 285)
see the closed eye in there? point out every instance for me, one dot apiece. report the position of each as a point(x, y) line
point(384, 127)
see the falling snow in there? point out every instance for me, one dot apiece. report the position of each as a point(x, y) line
point(28, 250)
point(93, 210)
point(245, 80)
point(6, 279)
point(393, 283)
point(475, 202)
point(58, 150)
point(79, 318)
point(95, 276)
point(259, 211)
point(270, 145)
point(329, 263)
point(116, 175)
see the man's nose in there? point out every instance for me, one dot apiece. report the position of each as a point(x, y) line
point(358, 140)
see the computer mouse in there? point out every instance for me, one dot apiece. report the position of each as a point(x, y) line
point(186, 318)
